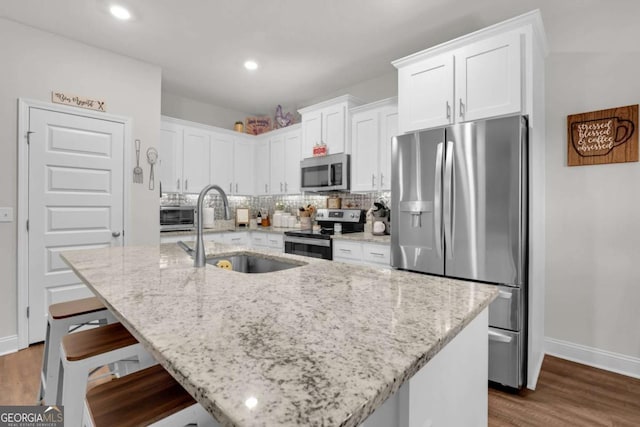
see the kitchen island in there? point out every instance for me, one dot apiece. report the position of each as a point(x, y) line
point(324, 343)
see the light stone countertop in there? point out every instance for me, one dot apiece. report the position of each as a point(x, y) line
point(363, 237)
point(322, 344)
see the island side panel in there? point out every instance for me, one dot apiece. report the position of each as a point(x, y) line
point(450, 390)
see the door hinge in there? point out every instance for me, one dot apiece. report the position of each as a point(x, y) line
point(27, 311)
point(29, 137)
point(27, 225)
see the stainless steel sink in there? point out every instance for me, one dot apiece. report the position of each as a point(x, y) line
point(246, 263)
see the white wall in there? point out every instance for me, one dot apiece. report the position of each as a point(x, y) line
point(33, 64)
point(183, 108)
point(593, 212)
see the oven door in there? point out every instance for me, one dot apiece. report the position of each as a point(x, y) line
point(307, 246)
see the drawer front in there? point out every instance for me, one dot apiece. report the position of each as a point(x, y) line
point(258, 239)
point(275, 241)
point(505, 357)
point(376, 254)
point(505, 311)
point(237, 238)
point(347, 250)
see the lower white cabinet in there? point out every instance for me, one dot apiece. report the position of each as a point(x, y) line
point(270, 241)
point(366, 253)
point(237, 238)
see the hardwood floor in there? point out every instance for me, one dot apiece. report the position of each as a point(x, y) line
point(568, 394)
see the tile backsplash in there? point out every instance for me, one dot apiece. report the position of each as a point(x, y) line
point(267, 203)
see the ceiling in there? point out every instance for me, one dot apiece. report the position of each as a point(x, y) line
point(306, 48)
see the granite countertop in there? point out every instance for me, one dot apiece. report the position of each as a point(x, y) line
point(363, 237)
point(322, 344)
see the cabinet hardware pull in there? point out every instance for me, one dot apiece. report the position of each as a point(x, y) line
point(461, 108)
point(186, 184)
point(286, 188)
point(115, 234)
point(265, 188)
point(178, 183)
point(236, 187)
point(373, 180)
point(376, 253)
point(281, 187)
point(345, 250)
point(448, 111)
point(381, 180)
point(230, 187)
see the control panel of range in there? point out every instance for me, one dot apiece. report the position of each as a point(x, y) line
point(340, 215)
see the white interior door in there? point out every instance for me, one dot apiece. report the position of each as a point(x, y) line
point(75, 202)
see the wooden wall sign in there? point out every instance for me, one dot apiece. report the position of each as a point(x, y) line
point(257, 125)
point(78, 101)
point(605, 136)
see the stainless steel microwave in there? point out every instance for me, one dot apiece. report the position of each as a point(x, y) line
point(173, 218)
point(325, 173)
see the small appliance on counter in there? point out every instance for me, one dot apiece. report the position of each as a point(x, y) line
point(380, 213)
point(317, 244)
point(177, 218)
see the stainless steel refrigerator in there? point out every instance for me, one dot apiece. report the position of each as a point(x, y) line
point(459, 204)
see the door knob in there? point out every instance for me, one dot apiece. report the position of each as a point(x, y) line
point(115, 234)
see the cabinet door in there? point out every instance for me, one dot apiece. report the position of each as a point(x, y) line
point(333, 128)
point(196, 164)
point(311, 132)
point(488, 77)
point(169, 158)
point(292, 163)
point(222, 161)
point(263, 166)
point(277, 165)
point(388, 129)
point(425, 93)
point(243, 170)
point(364, 159)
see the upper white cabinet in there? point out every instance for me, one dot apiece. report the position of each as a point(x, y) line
point(222, 160)
point(170, 157)
point(285, 162)
point(474, 80)
point(183, 159)
point(263, 168)
point(195, 164)
point(372, 127)
point(243, 166)
point(328, 123)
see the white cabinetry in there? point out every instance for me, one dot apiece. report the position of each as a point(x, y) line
point(473, 80)
point(222, 161)
point(285, 163)
point(269, 241)
point(195, 164)
point(263, 168)
point(183, 158)
point(243, 170)
point(366, 253)
point(327, 122)
point(169, 157)
point(237, 238)
point(372, 127)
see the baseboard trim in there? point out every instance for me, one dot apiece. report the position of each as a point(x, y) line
point(602, 359)
point(8, 344)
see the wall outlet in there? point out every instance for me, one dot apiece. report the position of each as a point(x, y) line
point(6, 214)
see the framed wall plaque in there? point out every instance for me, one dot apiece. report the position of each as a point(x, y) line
point(605, 136)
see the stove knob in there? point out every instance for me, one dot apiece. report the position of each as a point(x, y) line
point(319, 215)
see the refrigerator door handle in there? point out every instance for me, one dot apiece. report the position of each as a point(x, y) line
point(437, 201)
point(497, 336)
point(447, 205)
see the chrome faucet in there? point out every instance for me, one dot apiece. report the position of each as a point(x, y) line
point(199, 258)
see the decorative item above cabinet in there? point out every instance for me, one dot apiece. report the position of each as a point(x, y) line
point(327, 122)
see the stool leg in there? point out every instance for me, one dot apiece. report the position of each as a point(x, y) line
point(73, 381)
point(57, 331)
point(45, 368)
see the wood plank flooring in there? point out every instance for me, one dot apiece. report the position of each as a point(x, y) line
point(568, 394)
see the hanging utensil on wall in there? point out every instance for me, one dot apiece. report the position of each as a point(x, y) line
point(138, 177)
point(152, 158)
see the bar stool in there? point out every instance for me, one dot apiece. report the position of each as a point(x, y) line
point(82, 352)
point(147, 397)
point(64, 318)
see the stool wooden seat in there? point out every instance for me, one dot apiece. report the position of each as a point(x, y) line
point(143, 398)
point(63, 318)
point(82, 352)
point(76, 307)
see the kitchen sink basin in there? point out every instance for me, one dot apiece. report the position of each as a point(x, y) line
point(248, 263)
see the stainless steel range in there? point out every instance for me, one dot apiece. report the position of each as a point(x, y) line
point(317, 244)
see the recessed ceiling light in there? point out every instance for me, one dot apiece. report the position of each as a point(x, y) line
point(120, 12)
point(251, 65)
